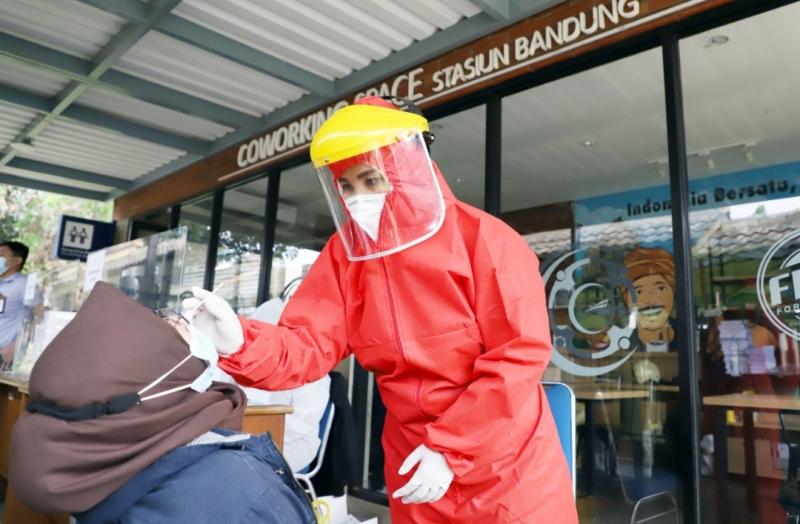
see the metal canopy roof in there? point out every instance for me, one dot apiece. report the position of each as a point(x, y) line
point(114, 94)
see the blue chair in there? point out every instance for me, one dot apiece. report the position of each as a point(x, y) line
point(562, 405)
point(642, 491)
point(305, 476)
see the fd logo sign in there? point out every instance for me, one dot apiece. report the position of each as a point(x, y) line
point(591, 322)
point(778, 284)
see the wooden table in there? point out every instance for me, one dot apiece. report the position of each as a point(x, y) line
point(267, 419)
point(748, 403)
point(588, 394)
point(14, 398)
point(661, 388)
point(584, 393)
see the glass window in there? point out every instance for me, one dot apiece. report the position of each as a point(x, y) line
point(304, 225)
point(151, 224)
point(148, 269)
point(369, 416)
point(241, 235)
point(584, 179)
point(743, 129)
point(459, 150)
point(196, 216)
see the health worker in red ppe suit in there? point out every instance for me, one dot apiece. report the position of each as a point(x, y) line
point(444, 303)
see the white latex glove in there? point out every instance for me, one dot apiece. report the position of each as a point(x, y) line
point(430, 481)
point(216, 319)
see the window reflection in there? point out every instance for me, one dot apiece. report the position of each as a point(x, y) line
point(459, 150)
point(239, 251)
point(744, 173)
point(196, 216)
point(571, 183)
point(304, 225)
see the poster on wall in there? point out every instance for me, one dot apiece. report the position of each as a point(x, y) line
point(604, 307)
point(742, 187)
point(623, 262)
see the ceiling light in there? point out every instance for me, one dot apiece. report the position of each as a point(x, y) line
point(24, 146)
point(713, 40)
point(710, 163)
point(589, 143)
point(718, 39)
point(459, 180)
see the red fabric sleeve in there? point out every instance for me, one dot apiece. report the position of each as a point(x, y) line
point(309, 340)
point(500, 409)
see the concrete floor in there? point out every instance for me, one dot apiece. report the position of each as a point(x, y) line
point(363, 510)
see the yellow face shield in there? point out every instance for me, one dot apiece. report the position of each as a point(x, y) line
point(379, 180)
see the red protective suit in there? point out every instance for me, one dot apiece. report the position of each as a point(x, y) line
point(456, 331)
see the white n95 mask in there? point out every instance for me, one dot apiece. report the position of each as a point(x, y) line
point(202, 348)
point(366, 210)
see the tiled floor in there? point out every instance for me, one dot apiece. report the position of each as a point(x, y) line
point(767, 512)
point(613, 509)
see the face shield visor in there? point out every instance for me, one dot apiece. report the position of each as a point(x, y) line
point(384, 195)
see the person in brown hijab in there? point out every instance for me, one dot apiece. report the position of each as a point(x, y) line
point(95, 445)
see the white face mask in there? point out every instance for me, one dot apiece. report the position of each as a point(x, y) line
point(200, 347)
point(366, 211)
point(3, 265)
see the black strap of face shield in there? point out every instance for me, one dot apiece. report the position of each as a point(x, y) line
point(404, 104)
point(115, 405)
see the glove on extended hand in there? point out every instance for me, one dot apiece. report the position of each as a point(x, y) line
point(216, 319)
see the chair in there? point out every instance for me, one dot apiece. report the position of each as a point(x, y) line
point(640, 490)
point(789, 493)
point(562, 405)
point(305, 476)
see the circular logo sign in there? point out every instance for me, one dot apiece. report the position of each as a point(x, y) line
point(778, 284)
point(592, 310)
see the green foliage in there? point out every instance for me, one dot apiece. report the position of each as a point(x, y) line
point(234, 245)
point(285, 251)
point(32, 217)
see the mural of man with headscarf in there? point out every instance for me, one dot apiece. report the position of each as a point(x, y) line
point(652, 271)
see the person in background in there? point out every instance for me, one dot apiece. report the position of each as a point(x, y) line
point(12, 290)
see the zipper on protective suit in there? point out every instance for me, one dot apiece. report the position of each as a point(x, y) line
point(398, 343)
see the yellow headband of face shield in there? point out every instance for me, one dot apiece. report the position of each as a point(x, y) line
point(358, 129)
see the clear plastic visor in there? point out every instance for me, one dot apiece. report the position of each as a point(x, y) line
point(384, 200)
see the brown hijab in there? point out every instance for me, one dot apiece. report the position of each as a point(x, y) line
point(113, 346)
